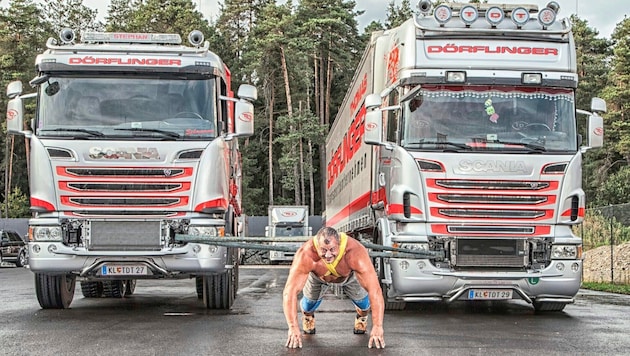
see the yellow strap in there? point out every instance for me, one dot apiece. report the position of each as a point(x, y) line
point(342, 251)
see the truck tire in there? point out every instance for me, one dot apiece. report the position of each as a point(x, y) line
point(131, 287)
point(199, 286)
point(54, 291)
point(91, 289)
point(549, 306)
point(115, 288)
point(217, 292)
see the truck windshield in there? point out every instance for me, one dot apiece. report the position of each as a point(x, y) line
point(127, 107)
point(538, 119)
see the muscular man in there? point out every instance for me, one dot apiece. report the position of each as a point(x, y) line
point(333, 258)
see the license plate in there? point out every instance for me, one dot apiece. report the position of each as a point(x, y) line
point(490, 294)
point(123, 270)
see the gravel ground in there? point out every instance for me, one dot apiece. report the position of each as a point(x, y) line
point(597, 264)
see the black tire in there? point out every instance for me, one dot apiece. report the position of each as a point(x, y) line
point(22, 259)
point(131, 287)
point(549, 306)
point(115, 288)
point(91, 289)
point(54, 291)
point(199, 286)
point(218, 290)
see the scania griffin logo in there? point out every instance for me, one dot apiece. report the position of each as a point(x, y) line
point(246, 117)
point(492, 166)
point(288, 213)
point(11, 114)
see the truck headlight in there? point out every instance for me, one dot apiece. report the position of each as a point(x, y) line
point(415, 246)
point(203, 230)
point(47, 233)
point(565, 252)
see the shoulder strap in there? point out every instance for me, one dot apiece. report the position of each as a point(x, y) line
point(342, 250)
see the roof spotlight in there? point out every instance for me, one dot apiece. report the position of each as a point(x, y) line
point(66, 35)
point(468, 14)
point(546, 17)
point(520, 16)
point(442, 14)
point(494, 16)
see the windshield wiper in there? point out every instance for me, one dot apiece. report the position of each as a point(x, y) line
point(421, 143)
point(531, 146)
point(163, 132)
point(65, 129)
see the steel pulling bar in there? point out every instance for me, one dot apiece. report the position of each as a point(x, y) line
point(245, 242)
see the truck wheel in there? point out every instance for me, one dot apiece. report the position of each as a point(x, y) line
point(131, 287)
point(218, 290)
point(199, 286)
point(54, 291)
point(115, 288)
point(549, 306)
point(91, 289)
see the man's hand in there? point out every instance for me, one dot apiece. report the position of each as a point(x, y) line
point(294, 340)
point(376, 338)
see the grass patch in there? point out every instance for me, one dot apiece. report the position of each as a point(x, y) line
point(607, 287)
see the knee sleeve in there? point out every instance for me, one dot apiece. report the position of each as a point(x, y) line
point(363, 304)
point(309, 306)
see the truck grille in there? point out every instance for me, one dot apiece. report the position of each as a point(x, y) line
point(93, 189)
point(123, 235)
point(492, 199)
point(511, 253)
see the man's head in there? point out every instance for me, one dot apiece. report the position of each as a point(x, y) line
point(328, 244)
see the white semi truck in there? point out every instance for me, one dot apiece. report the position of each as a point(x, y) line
point(458, 138)
point(286, 221)
point(134, 161)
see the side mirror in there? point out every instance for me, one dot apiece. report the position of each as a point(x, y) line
point(244, 118)
point(15, 116)
point(14, 89)
point(373, 134)
point(247, 92)
point(598, 105)
point(596, 130)
point(372, 101)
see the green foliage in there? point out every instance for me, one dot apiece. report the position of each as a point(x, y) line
point(599, 225)
point(615, 190)
point(17, 204)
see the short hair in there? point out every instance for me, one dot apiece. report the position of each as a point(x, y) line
point(327, 231)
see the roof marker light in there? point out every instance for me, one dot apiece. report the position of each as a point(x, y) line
point(442, 14)
point(494, 16)
point(531, 78)
point(468, 14)
point(455, 77)
point(520, 16)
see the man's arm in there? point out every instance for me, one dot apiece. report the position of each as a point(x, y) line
point(361, 264)
point(298, 274)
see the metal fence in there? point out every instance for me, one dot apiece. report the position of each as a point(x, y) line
point(606, 240)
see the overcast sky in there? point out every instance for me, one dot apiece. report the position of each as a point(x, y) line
point(602, 15)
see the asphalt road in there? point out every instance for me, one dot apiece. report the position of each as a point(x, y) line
point(166, 318)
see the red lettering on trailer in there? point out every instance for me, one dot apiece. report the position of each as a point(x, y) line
point(453, 48)
point(392, 65)
point(349, 146)
point(89, 60)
